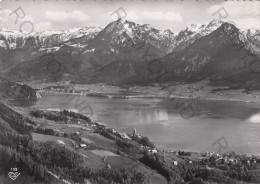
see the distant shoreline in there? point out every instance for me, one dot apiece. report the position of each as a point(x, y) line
point(247, 99)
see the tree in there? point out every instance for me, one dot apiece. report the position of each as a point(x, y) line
point(146, 142)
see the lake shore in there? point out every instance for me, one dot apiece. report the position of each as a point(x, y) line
point(77, 132)
point(198, 90)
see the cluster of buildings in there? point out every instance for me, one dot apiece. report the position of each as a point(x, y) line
point(230, 159)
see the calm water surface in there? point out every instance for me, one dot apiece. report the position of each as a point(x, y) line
point(159, 119)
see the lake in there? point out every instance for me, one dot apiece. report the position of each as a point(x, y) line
point(235, 124)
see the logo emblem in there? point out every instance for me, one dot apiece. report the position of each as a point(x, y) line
point(13, 175)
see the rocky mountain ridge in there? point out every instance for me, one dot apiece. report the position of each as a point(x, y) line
point(121, 52)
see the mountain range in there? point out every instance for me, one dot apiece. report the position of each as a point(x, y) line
point(126, 52)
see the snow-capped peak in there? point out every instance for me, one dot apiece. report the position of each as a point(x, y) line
point(205, 29)
point(16, 39)
point(146, 27)
point(195, 27)
point(215, 23)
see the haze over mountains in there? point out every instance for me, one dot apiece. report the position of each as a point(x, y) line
point(128, 52)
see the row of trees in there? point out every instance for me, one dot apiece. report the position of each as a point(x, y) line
point(49, 115)
point(59, 116)
point(76, 115)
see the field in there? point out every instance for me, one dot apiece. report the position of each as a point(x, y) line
point(103, 153)
point(60, 140)
point(92, 160)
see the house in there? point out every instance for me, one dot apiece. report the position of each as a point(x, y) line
point(61, 142)
point(153, 151)
point(175, 162)
point(209, 154)
point(124, 135)
point(231, 160)
point(76, 133)
point(83, 145)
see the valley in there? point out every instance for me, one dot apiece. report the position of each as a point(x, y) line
point(129, 103)
point(196, 90)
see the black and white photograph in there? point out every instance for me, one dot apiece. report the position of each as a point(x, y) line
point(129, 92)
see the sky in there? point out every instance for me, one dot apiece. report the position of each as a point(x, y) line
point(175, 15)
